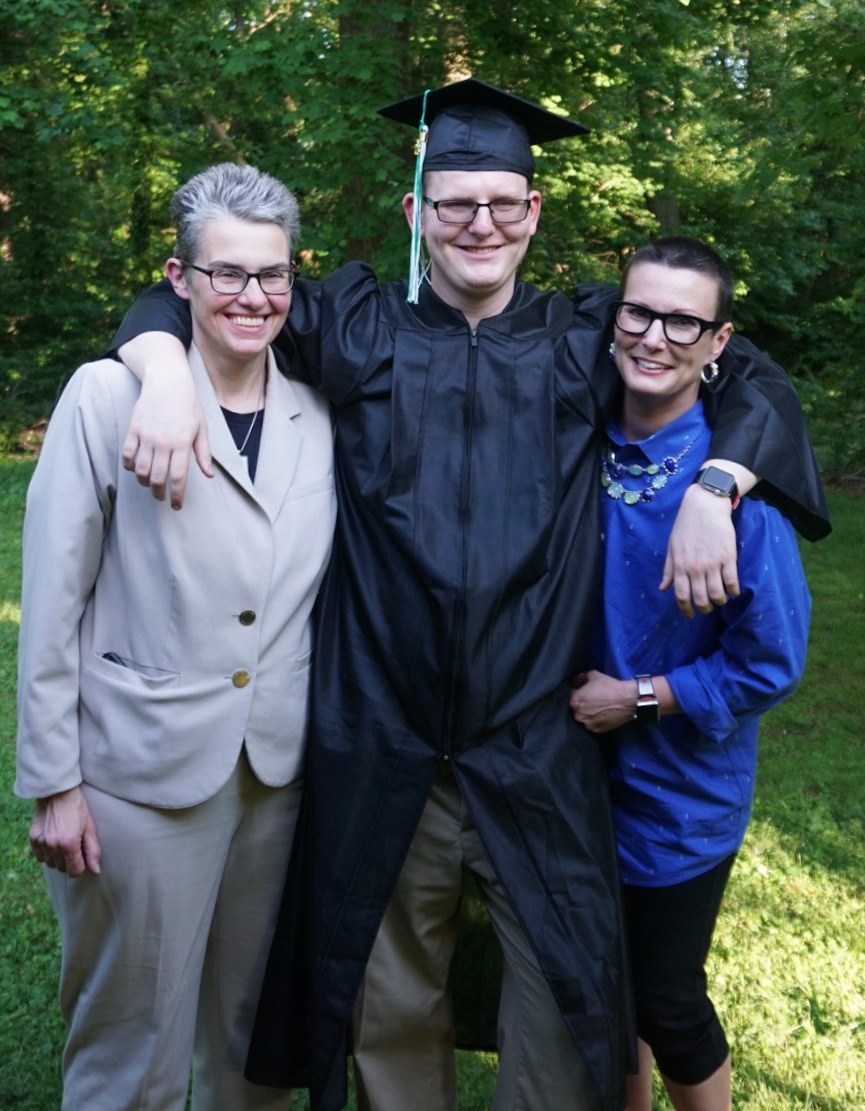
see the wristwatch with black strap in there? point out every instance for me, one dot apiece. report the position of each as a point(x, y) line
point(719, 482)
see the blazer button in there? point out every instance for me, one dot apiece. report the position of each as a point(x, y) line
point(247, 617)
point(241, 678)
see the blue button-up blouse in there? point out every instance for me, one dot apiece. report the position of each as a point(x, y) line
point(682, 788)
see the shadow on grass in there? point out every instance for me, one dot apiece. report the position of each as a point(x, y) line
point(792, 1094)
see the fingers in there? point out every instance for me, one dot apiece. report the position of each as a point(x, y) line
point(151, 469)
point(73, 862)
point(171, 473)
point(162, 469)
point(38, 852)
point(164, 432)
point(201, 448)
point(702, 590)
point(91, 850)
point(129, 449)
point(63, 836)
point(730, 576)
point(579, 710)
point(178, 467)
point(62, 855)
point(701, 558)
point(577, 701)
point(593, 702)
point(149, 465)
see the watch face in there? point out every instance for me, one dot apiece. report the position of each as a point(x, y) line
point(648, 710)
point(719, 480)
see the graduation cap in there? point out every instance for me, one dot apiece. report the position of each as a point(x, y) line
point(475, 126)
point(470, 125)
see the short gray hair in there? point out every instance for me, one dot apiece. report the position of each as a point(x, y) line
point(242, 192)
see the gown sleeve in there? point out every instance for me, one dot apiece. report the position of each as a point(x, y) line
point(755, 414)
point(157, 309)
point(757, 420)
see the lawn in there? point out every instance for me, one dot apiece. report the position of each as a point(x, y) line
point(788, 966)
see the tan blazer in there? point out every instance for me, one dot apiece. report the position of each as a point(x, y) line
point(208, 608)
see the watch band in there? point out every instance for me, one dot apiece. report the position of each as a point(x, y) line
point(647, 707)
point(645, 686)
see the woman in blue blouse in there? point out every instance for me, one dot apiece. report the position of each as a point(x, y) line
point(683, 696)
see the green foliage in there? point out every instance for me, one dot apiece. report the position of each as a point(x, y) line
point(741, 123)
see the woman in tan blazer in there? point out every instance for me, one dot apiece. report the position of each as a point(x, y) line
point(163, 680)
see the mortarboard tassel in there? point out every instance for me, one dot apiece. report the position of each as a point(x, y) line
point(416, 269)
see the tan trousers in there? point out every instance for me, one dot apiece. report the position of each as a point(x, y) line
point(164, 952)
point(402, 1027)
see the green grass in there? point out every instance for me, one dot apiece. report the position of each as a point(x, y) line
point(788, 965)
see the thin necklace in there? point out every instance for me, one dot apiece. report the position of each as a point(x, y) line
point(258, 409)
point(612, 473)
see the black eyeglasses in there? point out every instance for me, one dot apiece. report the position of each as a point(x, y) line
point(679, 328)
point(232, 279)
point(506, 210)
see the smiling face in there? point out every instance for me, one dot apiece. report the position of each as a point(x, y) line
point(232, 330)
point(662, 379)
point(473, 266)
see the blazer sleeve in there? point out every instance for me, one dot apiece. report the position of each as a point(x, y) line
point(69, 510)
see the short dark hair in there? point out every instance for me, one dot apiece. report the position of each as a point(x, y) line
point(680, 252)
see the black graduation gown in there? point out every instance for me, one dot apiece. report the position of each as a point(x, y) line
point(458, 604)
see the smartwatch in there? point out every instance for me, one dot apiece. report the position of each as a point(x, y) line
point(719, 482)
point(647, 707)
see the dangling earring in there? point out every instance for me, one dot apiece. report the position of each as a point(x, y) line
point(613, 351)
point(710, 372)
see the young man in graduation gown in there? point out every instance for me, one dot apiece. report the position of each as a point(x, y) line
point(457, 608)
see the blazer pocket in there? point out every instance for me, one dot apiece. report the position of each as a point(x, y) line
point(121, 669)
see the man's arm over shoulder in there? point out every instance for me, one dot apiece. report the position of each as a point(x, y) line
point(167, 423)
point(757, 421)
point(157, 309)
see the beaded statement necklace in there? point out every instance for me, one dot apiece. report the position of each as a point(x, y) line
point(656, 476)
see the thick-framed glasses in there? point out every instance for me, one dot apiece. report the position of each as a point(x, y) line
point(679, 328)
point(232, 279)
point(506, 210)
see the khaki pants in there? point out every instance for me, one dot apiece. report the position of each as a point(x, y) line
point(402, 1028)
point(164, 952)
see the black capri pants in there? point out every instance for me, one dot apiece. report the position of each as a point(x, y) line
point(669, 933)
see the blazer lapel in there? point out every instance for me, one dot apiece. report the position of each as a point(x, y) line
point(222, 445)
point(280, 441)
